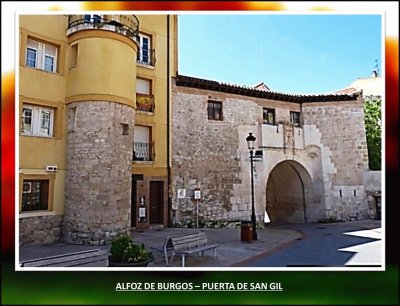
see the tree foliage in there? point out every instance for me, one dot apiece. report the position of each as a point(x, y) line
point(373, 127)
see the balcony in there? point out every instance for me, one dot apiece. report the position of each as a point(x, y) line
point(127, 25)
point(146, 57)
point(145, 103)
point(143, 151)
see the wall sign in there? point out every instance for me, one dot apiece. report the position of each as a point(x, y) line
point(181, 193)
point(197, 194)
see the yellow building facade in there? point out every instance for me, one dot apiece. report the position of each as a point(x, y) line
point(94, 96)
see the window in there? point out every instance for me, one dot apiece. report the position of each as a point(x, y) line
point(268, 116)
point(92, 18)
point(41, 56)
point(295, 118)
point(144, 98)
point(48, 63)
point(37, 121)
point(145, 55)
point(142, 145)
point(124, 129)
point(143, 86)
point(31, 57)
point(74, 55)
point(214, 110)
point(35, 195)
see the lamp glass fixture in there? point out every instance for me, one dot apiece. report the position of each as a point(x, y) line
point(250, 141)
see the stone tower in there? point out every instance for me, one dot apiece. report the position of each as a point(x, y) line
point(100, 102)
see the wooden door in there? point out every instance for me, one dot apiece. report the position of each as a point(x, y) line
point(156, 202)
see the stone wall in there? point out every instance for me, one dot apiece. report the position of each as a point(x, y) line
point(213, 166)
point(99, 170)
point(373, 188)
point(340, 131)
point(373, 180)
point(328, 152)
point(40, 230)
point(213, 156)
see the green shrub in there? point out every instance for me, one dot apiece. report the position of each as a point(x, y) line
point(124, 250)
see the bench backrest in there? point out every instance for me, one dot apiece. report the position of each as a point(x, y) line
point(189, 241)
point(90, 258)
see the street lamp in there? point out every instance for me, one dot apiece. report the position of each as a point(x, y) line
point(250, 144)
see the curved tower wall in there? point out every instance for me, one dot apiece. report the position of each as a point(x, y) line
point(101, 118)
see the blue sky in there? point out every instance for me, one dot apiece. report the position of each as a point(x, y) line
point(303, 54)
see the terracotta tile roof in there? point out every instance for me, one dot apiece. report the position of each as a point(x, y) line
point(348, 90)
point(261, 86)
point(187, 81)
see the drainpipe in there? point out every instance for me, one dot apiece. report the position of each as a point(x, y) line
point(168, 128)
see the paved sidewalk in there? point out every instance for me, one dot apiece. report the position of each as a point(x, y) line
point(231, 251)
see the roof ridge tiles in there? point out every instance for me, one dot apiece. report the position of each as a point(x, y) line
point(189, 81)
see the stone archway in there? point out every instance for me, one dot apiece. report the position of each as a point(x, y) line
point(288, 193)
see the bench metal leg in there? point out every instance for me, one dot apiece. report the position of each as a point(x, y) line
point(183, 260)
point(215, 253)
point(166, 258)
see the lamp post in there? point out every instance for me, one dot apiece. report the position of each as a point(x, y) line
point(250, 144)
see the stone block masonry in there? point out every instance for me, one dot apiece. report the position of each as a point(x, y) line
point(345, 156)
point(99, 169)
point(318, 177)
point(205, 157)
point(40, 229)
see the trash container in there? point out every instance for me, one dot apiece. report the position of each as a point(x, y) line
point(246, 231)
point(378, 204)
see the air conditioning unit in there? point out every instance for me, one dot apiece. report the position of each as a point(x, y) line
point(27, 187)
point(51, 168)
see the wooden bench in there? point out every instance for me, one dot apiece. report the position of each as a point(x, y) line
point(90, 258)
point(188, 244)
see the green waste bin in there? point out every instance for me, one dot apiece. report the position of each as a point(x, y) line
point(378, 204)
point(246, 231)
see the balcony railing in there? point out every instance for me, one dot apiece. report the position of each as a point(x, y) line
point(143, 151)
point(147, 57)
point(145, 103)
point(127, 25)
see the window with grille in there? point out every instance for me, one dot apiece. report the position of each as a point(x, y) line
point(35, 195)
point(143, 148)
point(214, 109)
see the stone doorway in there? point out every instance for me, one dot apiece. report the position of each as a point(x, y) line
point(288, 193)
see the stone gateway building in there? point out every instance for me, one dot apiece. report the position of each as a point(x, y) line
point(309, 162)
